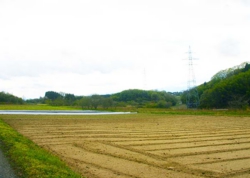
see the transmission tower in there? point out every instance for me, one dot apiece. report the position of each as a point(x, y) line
point(192, 99)
point(144, 79)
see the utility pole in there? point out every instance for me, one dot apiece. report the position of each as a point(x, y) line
point(192, 99)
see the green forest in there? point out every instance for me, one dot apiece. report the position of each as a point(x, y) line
point(6, 98)
point(132, 97)
point(227, 89)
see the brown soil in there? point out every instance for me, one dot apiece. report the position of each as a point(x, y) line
point(150, 146)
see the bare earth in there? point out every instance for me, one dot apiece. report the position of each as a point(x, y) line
point(145, 145)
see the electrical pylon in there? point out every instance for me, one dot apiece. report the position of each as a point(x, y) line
point(144, 79)
point(192, 99)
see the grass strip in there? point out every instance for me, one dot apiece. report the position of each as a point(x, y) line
point(196, 112)
point(36, 107)
point(28, 159)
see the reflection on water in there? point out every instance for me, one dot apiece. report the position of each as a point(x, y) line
point(62, 112)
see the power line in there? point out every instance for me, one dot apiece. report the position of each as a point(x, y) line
point(192, 98)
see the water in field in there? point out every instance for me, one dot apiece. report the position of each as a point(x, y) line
point(61, 112)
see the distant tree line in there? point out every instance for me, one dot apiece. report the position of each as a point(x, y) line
point(133, 98)
point(6, 98)
point(227, 89)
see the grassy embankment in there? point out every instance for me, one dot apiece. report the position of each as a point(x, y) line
point(35, 107)
point(197, 112)
point(28, 159)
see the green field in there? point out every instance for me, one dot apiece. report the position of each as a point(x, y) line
point(36, 107)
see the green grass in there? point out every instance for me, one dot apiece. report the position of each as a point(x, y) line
point(36, 107)
point(28, 159)
point(196, 112)
point(174, 111)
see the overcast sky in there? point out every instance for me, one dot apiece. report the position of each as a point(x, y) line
point(89, 47)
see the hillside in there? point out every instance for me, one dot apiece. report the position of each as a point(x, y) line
point(6, 98)
point(229, 88)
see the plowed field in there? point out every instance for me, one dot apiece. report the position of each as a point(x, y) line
point(144, 145)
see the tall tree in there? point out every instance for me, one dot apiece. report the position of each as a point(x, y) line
point(52, 95)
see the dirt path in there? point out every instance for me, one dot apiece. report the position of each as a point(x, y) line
point(5, 169)
point(154, 146)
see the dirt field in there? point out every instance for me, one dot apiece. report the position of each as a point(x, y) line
point(144, 145)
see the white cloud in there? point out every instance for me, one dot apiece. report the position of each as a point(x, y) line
point(86, 47)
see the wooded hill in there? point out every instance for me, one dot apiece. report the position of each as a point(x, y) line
point(6, 98)
point(142, 98)
point(228, 88)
